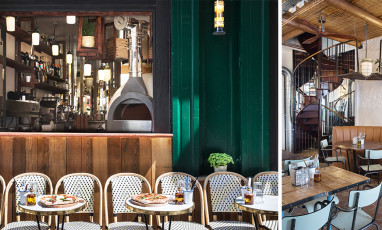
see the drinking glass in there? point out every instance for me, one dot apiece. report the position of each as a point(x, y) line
point(258, 192)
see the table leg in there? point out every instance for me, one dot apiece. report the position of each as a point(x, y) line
point(58, 223)
point(348, 159)
point(38, 222)
point(255, 219)
point(354, 159)
point(147, 226)
point(169, 224)
point(63, 221)
point(162, 222)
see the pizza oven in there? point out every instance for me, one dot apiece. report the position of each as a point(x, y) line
point(131, 108)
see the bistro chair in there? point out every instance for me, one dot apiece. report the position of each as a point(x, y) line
point(123, 186)
point(3, 186)
point(270, 184)
point(82, 185)
point(224, 189)
point(354, 217)
point(327, 152)
point(43, 182)
point(169, 185)
point(314, 220)
point(368, 169)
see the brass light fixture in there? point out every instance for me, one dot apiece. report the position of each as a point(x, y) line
point(219, 18)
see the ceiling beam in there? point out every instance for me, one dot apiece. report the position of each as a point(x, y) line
point(296, 24)
point(292, 34)
point(356, 11)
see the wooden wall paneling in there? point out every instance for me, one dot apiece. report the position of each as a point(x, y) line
point(86, 155)
point(130, 150)
point(43, 155)
point(6, 146)
point(114, 163)
point(57, 158)
point(31, 154)
point(73, 155)
point(19, 153)
point(145, 159)
point(161, 162)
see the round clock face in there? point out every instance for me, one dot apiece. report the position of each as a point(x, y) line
point(120, 22)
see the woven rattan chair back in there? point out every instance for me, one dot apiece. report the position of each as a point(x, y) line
point(270, 181)
point(82, 185)
point(224, 189)
point(123, 186)
point(43, 183)
point(3, 186)
point(169, 185)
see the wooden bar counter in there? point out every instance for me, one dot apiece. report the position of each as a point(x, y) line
point(101, 154)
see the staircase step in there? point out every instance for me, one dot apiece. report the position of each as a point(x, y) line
point(308, 114)
point(311, 107)
point(311, 121)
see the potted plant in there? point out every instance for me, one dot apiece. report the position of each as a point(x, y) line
point(88, 30)
point(219, 161)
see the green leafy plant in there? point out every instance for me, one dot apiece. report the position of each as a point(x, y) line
point(219, 159)
point(88, 29)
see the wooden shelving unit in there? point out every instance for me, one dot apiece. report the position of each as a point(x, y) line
point(50, 88)
point(53, 78)
point(17, 65)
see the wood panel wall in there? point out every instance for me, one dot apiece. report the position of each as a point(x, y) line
point(101, 156)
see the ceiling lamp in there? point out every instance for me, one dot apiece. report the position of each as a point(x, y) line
point(107, 73)
point(219, 18)
point(35, 37)
point(87, 69)
point(71, 19)
point(55, 47)
point(11, 23)
point(366, 63)
point(69, 55)
point(101, 73)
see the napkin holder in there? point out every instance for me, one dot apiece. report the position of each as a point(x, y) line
point(297, 176)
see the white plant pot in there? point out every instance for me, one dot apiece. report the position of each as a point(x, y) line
point(221, 169)
point(88, 41)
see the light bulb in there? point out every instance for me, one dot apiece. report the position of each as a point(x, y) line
point(11, 23)
point(35, 38)
point(71, 19)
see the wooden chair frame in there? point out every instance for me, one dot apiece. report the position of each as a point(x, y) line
point(144, 180)
point(3, 185)
point(158, 181)
point(9, 186)
point(98, 182)
point(325, 153)
point(262, 218)
point(368, 172)
point(243, 179)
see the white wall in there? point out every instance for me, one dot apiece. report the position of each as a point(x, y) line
point(287, 57)
point(372, 51)
point(368, 106)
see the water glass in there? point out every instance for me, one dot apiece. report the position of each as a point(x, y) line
point(258, 192)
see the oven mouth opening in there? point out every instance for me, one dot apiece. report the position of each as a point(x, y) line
point(129, 111)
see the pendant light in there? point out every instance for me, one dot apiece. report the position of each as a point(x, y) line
point(101, 73)
point(35, 35)
point(366, 63)
point(107, 73)
point(55, 46)
point(69, 55)
point(219, 18)
point(11, 23)
point(87, 69)
point(71, 19)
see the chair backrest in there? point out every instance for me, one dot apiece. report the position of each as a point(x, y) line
point(324, 143)
point(123, 186)
point(43, 182)
point(224, 189)
point(82, 185)
point(365, 197)
point(314, 220)
point(270, 182)
point(373, 154)
point(3, 186)
point(301, 164)
point(169, 186)
point(288, 162)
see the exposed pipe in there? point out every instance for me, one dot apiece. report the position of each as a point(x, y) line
point(4, 74)
point(289, 109)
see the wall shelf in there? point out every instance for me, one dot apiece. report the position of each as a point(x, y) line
point(50, 88)
point(53, 78)
point(17, 65)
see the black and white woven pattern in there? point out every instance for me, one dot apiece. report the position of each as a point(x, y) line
point(169, 184)
point(128, 225)
point(81, 186)
point(231, 225)
point(26, 225)
point(271, 224)
point(21, 182)
point(79, 225)
point(224, 188)
point(270, 184)
point(123, 187)
point(183, 225)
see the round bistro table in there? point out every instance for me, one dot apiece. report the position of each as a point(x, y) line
point(348, 146)
point(270, 206)
point(39, 210)
point(170, 210)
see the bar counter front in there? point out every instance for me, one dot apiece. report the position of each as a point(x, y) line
point(101, 154)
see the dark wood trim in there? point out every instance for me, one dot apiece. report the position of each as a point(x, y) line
point(74, 13)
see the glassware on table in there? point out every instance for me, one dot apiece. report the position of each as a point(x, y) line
point(32, 196)
point(258, 192)
point(179, 195)
point(249, 197)
point(317, 176)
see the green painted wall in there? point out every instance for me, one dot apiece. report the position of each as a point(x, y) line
point(220, 86)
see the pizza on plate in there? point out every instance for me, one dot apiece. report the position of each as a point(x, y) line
point(150, 198)
point(60, 199)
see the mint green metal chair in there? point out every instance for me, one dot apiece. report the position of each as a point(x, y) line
point(368, 168)
point(288, 162)
point(354, 217)
point(315, 220)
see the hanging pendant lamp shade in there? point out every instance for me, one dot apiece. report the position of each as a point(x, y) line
point(11, 23)
point(101, 74)
point(69, 57)
point(71, 19)
point(55, 49)
point(87, 69)
point(366, 63)
point(35, 37)
point(107, 73)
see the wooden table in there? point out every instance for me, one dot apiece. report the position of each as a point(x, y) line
point(333, 180)
point(348, 146)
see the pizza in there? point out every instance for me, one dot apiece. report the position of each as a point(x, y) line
point(150, 198)
point(58, 200)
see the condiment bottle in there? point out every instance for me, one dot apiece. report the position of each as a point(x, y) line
point(179, 196)
point(317, 175)
point(248, 197)
point(31, 197)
